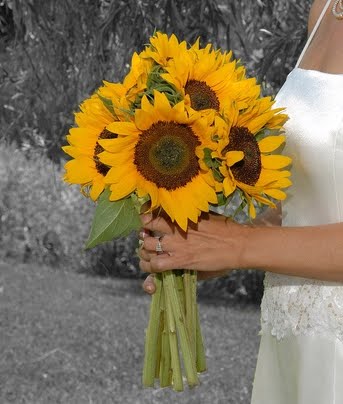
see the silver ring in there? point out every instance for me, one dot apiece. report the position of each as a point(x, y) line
point(159, 248)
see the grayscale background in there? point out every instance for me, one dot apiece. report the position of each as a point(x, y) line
point(72, 321)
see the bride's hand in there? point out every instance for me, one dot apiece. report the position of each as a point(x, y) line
point(214, 245)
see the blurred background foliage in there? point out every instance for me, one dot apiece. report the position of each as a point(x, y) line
point(55, 53)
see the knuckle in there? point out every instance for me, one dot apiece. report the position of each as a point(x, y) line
point(158, 265)
point(149, 243)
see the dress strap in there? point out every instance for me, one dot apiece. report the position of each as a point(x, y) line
point(313, 32)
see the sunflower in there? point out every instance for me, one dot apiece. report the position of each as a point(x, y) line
point(247, 162)
point(136, 80)
point(209, 79)
point(85, 168)
point(121, 96)
point(163, 49)
point(259, 115)
point(157, 155)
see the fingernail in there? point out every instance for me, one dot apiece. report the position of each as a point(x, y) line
point(142, 234)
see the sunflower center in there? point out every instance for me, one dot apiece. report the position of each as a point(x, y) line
point(248, 169)
point(202, 96)
point(165, 155)
point(101, 167)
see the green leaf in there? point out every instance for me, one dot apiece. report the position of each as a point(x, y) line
point(217, 175)
point(208, 157)
point(112, 219)
point(222, 200)
point(107, 103)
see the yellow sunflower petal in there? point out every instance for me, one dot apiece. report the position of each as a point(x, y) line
point(202, 193)
point(162, 105)
point(276, 194)
point(185, 209)
point(114, 159)
point(123, 128)
point(264, 200)
point(278, 120)
point(269, 176)
point(282, 183)
point(146, 187)
point(271, 143)
point(233, 157)
point(116, 174)
point(80, 170)
point(123, 188)
point(275, 162)
point(119, 144)
point(167, 202)
point(72, 151)
point(81, 135)
point(259, 122)
point(144, 117)
point(97, 187)
point(252, 210)
point(229, 186)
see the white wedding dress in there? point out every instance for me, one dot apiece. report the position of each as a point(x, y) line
point(300, 360)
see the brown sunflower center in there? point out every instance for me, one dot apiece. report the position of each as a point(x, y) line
point(101, 167)
point(165, 155)
point(202, 96)
point(248, 169)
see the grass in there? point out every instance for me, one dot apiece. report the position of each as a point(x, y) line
point(68, 338)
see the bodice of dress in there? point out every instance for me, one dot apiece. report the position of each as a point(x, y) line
point(314, 102)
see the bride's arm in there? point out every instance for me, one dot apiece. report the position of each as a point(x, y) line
point(311, 252)
point(218, 244)
point(270, 217)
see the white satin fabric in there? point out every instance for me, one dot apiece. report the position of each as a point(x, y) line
point(300, 359)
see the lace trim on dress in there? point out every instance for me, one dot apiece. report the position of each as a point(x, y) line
point(299, 306)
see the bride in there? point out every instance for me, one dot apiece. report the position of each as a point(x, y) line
point(301, 351)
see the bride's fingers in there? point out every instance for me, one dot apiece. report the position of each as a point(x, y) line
point(145, 266)
point(165, 262)
point(157, 244)
point(144, 255)
point(158, 224)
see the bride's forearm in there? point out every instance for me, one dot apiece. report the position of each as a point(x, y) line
point(311, 252)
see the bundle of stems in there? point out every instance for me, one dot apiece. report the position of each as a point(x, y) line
point(174, 349)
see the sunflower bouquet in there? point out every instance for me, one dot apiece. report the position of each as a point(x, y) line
point(185, 132)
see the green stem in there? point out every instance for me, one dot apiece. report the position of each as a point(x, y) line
point(180, 288)
point(190, 279)
point(194, 278)
point(151, 336)
point(174, 349)
point(165, 365)
point(188, 359)
point(200, 356)
point(160, 333)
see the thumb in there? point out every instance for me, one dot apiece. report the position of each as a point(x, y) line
point(149, 285)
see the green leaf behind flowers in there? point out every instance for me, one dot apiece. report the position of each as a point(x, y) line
point(112, 220)
point(107, 103)
point(156, 82)
point(213, 164)
point(222, 199)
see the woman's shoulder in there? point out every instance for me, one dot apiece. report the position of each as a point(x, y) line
point(315, 11)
